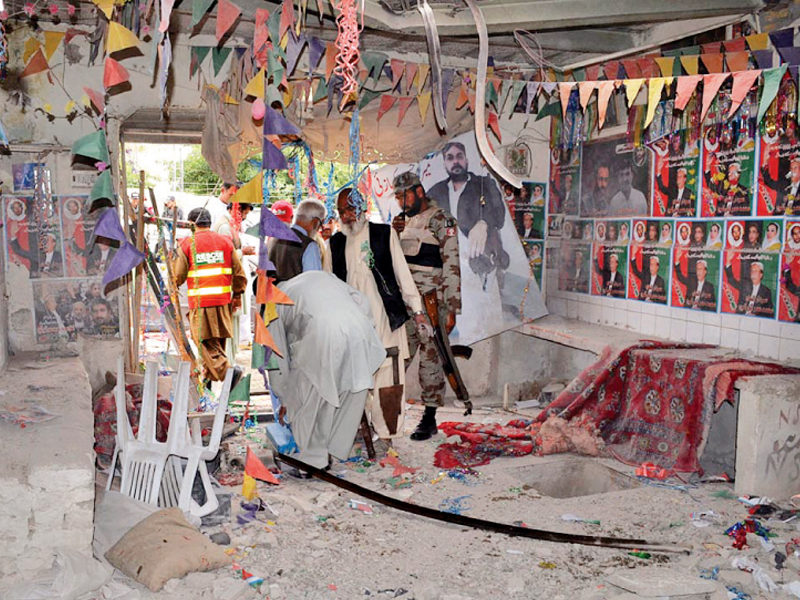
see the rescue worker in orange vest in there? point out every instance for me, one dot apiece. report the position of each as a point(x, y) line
point(216, 283)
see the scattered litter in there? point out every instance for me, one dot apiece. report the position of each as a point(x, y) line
point(252, 580)
point(231, 479)
point(456, 505)
point(780, 560)
point(704, 518)
point(362, 506)
point(547, 565)
point(748, 501)
point(739, 532)
point(516, 552)
point(737, 594)
point(24, 415)
point(332, 587)
point(712, 574)
point(465, 475)
point(725, 494)
point(760, 576)
point(577, 519)
point(399, 468)
point(399, 482)
point(651, 471)
point(639, 554)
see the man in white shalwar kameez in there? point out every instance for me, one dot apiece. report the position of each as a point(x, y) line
point(330, 354)
point(360, 262)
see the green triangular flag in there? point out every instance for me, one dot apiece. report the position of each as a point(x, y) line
point(93, 145)
point(579, 74)
point(103, 187)
point(199, 53)
point(491, 94)
point(272, 363)
point(274, 67)
point(366, 97)
point(218, 57)
point(516, 90)
point(199, 8)
point(505, 90)
point(374, 62)
point(690, 50)
point(273, 95)
point(274, 27)
point(321, 92)
point(671, 53)
point(772, 81)
point(241, 393)
point(551, 109)
point(257, 355)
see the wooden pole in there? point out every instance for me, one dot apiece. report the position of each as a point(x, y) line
point(137, 293)
point(126, 280)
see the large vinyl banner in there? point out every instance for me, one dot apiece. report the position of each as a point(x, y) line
point(498, 289)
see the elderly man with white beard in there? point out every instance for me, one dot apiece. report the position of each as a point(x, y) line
point(330, 354)
point(368, 256)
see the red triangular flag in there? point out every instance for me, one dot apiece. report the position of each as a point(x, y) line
point(398, 68)
point(710, 48)
point(711, 85)
point(404, 105)
point(263, 336)
point(387, 102)
point(632, 70)
point(287, 17)
point(276, 295)
point(647, 67)
point(96, 98)
point(411, 70)
point(494, 125)
point(593, 73)
point(257, 470)
point(686, 87)
point(36, 64)
point(227, 13)
point(114, 74)
point(712, 62)
point(736, 45)
point(738, 61)
point(742, 82)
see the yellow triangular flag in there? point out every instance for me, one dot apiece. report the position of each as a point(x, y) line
point(120, 38)
point(52, 39)
point(270, 312)
point(255, 87)
point(249, 487)
point(288, 94)
point(230, 99)
point(107, 6)
point(31, 46)
point(758, 41)
point(690, 63)
point(422, 76)
point(251, 192)
point(423, 102)
point(666, 64)
point(654, 89)
point(632, 87)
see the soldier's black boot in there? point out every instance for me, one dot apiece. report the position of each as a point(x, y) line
point(427, 426)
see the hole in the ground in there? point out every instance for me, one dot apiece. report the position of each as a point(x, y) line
point(573, 478)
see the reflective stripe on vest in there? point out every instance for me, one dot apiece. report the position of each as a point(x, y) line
point(212, 272)
point(209, 291)
point(210, 280)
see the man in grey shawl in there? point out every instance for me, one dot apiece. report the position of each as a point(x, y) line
point(330, 355)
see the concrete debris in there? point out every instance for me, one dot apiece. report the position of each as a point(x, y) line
point(655, 582)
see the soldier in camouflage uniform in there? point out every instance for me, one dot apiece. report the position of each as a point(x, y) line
point(429, 238)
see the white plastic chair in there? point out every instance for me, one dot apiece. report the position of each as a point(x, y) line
point(124, 432)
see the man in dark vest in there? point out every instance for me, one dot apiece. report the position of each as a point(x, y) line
point(368, 257)
point(292, 258)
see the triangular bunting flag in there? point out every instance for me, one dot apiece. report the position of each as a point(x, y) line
point(790, 55)
point(103, 187)
point(585, 89)
point(398, 68)
point(410, 74)
point(200, 8)
point(711, 85)
point(52, 40)
point(738, 61)
point(274, 25)
point(531, 91)
point(422, 75)
point(604, 91)
point(654, 88)
point(471, 101)
point(447, 82)
point(287, 17)
point(241, 393)
point(36, 64)
point(293, 49)
point(666, 65)
point(710, 48)
point(772, 81)
point(107, 6)
point(114, 74)
point(758, 41)
point(611, 70)
point(254, 468)
point(632, 87)
point(712, 62)
point(255, 87)
point(251, 192)
point(96, 98)
point(564, 92)
point(262, 335)
point(120, 38)
point(579, 75)
point(490, 95)
point(505, 90)
point(735, 45)
point(373, 62)
point(764, 58)
point(742, 82)
point(632, 70)
point(31, 46)
point(227, 13)
point(321, 92)
point(593, 72)
point(125, 260)
point(276, 296)
point(782, 38)
point(404, 103)
point(387, 101)
point(330, 59)
point(367, 96)
point(690, 64)
point(514, 94)
point(276, 124)
point(494, 125)
point(218, 58)
point(316, 47)
point(423, 102)
point(647, 66)
point(686, 87)
point(463, 96)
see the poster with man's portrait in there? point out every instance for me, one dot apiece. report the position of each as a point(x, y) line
point(728, 170)
point(779, 171)
point(81, 256)
point(65, 309)
point(535, 253)
point(609, 266)
point(695, 277)
point(33, 236)
point(676, 161)
point(575, 266)
point(789, 302)
point(652, 232)
point(495, 271)
point(749, 282)
point(565, 174)
point(578, 229)
point(649, 273)
point(615, 179)
point(699, 234)
point(527, 209)
point(24, 175)
point(613, 231)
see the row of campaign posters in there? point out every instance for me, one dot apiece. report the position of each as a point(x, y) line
point(740, 266)
point(728, 171)
point(51, 240)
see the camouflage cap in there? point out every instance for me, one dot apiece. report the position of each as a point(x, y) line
point(406, 181)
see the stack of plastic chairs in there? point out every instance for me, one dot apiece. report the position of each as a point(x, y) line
point(163, 473)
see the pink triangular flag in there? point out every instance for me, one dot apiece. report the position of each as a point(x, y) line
point(564, 92)
point(411, 71)
point(403, 106)
point(96, 99)
point(713, 62)
point(114, 74)
point(398, 68)
point(738, 61)
point(742, 82)
point(287, 18)
point(585, 89)
point(494, 125)
point(387, 102)
point(593, 72)
point(686, 87)
point(227, 13)
point(711, 85)
point(604, 91)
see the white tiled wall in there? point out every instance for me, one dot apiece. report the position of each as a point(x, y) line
point(752, 336)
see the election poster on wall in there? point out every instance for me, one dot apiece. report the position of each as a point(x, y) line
point(612, 230)
point(526, 207)
point(565, 175)
point(751, 265)
point(696, 259)
point(495, 270)
point(728, 169)
point(649, 273)
point(575, 266)
point(578, 229)
point(534, 250)
point(652, 232)
point(66, 308)
point(81, 256)
point(779, 170)
point(676, 168)
point(33, 236)
point(615, 179)
point(609, 266)
point(789, 301)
